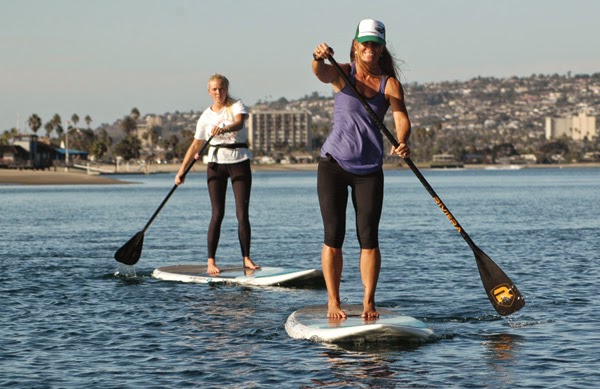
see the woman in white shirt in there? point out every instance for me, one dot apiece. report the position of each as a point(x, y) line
point(228, 158)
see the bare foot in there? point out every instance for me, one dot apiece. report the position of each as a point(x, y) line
point(334, 311)
point(369, 312)
point(248, 264)
point(212, 267)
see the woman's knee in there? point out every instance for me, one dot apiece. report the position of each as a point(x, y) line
point(334, 240)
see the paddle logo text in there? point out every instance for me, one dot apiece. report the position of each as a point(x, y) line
point(448, 214)
point(503, 295)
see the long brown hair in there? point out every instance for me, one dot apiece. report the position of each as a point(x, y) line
point(387, 62)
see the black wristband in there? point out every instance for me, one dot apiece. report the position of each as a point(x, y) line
point(317, 59)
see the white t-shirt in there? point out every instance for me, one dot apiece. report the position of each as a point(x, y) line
point(224, 117)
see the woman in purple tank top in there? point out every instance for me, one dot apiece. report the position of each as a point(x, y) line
point(352, 157)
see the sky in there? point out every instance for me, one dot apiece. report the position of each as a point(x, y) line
point(104, 57)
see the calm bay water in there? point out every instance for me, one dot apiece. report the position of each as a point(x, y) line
point(72, 318)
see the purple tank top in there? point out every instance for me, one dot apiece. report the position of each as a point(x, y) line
point(355, 142)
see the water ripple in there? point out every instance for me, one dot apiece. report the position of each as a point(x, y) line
point(72, 317)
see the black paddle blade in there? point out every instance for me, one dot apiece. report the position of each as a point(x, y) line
point(131, 251)
point(502, 292)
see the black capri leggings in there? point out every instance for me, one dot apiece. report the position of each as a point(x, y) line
point(367, 198)
point(241, 180)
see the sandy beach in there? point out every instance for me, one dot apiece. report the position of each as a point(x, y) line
point(80, 177)
point(46, 177)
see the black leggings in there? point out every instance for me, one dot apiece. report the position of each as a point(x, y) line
point(241, 180)
point(367, 198)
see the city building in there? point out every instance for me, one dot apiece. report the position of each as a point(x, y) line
point(574, 127)
point(279, 130)
point(27, 152)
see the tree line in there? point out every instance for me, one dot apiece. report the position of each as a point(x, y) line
point(466, 146)
point(100, 145)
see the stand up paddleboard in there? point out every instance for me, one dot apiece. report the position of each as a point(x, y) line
point(266, 276)
point(312, 323)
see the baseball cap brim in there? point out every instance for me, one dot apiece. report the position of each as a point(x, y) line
point(371, 38)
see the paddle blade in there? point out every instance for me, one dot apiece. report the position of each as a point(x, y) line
point(131, 251)
point(502, 292)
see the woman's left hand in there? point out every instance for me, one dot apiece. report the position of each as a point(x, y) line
point(403, 151)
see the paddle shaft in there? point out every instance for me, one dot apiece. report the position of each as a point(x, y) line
point(185, 172)
point(408, 161)
point(131, 251)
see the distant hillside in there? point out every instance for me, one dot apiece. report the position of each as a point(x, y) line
point(169, 123)
point(480, 105)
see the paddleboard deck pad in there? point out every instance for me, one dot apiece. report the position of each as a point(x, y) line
point(312, 323)
point(266, 276)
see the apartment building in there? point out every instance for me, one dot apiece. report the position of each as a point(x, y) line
point(279, 130)
point(574, 127)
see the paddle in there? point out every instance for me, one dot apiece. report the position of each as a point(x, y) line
point(502, 292)
point(131, 251)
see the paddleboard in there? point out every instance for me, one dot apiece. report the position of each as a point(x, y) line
point(312, 323)
point(266, 276)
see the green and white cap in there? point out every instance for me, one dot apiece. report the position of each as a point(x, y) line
point(370, 30)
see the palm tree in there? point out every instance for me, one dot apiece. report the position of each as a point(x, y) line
point(135, 113)
point(101, 144)
point(75, 119)
point(56, 121)
point(49, 127)
point(88, 120)
point(128, 125)
point(34, 122)
point(7, 135)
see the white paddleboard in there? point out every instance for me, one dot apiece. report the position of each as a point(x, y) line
point(312, 323)
point(266, 276)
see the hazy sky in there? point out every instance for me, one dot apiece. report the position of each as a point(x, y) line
point(103, 57)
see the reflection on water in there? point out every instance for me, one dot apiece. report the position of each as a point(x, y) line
point(501, 354)
point(370, 364)
point(348, 369)
point(501, 347)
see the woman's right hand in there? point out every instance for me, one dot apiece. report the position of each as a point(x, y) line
point(321, 51)
point(325, 73)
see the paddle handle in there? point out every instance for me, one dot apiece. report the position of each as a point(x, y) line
point(185, 172)
point(408, 161)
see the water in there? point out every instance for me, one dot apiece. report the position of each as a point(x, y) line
point(72, 318)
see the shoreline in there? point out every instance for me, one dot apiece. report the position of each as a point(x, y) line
point(50, 177)
point(81, 177)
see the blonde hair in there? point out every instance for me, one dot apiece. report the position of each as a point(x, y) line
point(219, 77)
